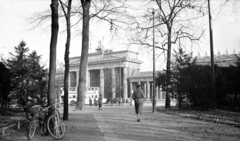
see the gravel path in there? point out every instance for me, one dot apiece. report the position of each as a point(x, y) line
point(118, 123)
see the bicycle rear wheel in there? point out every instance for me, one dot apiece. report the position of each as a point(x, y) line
point(31, 130)
point(56, 127)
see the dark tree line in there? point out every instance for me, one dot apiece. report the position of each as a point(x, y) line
point(5, 85)
point(227, 86)
point(190, 83)
point(22, 76)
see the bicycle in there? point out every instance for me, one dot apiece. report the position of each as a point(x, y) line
point(51, 123)
point(55, 125)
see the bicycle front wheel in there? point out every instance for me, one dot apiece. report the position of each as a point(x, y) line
point(56, 127)
point(31, 130)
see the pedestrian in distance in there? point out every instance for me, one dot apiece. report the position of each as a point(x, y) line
point(100, 102)
point(90, 101)
point(137, 96)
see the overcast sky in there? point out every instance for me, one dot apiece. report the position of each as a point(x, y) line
point(14, 27)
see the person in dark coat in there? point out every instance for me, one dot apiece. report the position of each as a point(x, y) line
point(100, 102)
point(90, 101)
point(137, 96)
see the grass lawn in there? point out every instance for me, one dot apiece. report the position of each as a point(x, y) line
point(221, 116)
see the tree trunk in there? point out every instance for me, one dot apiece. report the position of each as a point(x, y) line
point(66, 58)
point(53, 47)
point(167, 103)
point(84, 56)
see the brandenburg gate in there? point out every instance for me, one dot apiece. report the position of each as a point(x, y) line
point(115, 74)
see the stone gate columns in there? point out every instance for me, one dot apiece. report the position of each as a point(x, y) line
point(113, 83)
point(77, 81)
point(131, 89)
point(156, 94)
point(124, 84)
point(160, 92)
point(145, 90)
point(148, 90)
point(69, 80)
point(102, 82)
point(88, 79)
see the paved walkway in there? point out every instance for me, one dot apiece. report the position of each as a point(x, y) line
point(118, 123)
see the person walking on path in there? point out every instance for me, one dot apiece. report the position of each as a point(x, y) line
point(137, 96)
point(100, 102)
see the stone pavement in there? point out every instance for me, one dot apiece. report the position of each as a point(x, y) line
point(118, 123)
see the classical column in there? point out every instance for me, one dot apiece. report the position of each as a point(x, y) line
point(125, 84)
point(148, 89)
point(131, 88)
point(102, 82)
point(160, 92)
point(77, 78)
point(88, 79)
point(69, 80)
point(113, 83)
point(151, 91)
point(145, 90)
point(156, 97)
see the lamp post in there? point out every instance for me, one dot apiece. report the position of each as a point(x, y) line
point(154, 90)
point(212, 54)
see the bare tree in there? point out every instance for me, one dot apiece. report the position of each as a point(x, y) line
point(66, 57)
point(84, 55)
point(53, 48)
point(174, 25)
point(105, 10)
